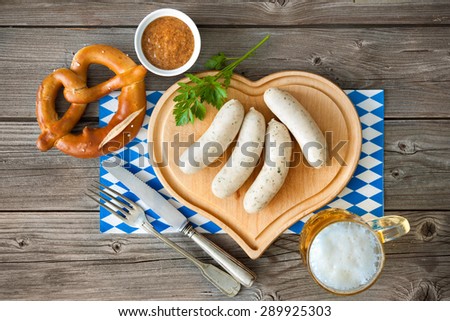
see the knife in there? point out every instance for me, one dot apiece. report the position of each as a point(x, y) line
point(175, 218)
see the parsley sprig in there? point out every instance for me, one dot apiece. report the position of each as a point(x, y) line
point(189, 103)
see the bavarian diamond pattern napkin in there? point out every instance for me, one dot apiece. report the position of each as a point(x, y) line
point(362, 195)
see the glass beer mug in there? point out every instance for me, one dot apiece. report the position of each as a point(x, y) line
point(343, 253)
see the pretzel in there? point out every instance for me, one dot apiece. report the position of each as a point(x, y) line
point(57, 131)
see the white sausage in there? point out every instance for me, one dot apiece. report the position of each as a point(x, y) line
point(215, 140)
point(244, 158)
point(300, 123)
point(278, 149)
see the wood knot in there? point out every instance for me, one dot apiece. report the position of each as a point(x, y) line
point(116, 246)
point(22, 242)
point(359, 43)
point(271, 296)
point(258, 293)
point(397, 173)
point(407, 147)
point(428, 230)
point(425, 291)
point(281, 3)
point(317, 61)
point(402, 146)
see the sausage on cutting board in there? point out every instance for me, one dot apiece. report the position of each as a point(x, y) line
point(300, 123)
point(278, 149)
point(244, 158)
point(213, 143)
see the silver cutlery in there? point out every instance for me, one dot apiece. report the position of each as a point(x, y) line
point(133, 215)
point(174, 217)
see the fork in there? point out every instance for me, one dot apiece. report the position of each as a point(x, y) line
point(132, 214)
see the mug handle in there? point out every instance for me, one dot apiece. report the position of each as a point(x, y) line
point(389, 227)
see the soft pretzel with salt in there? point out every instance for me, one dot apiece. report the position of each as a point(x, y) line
point(91, 142)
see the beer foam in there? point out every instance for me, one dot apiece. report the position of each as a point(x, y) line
point(345, 256)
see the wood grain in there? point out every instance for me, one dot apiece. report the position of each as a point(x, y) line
point(213, 12)
point(50, 248)
point(417, 169)
point(61, 255)
point(411, 64)
point(417, 161)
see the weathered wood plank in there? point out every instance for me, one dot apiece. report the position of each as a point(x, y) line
point(415, 165)
point(213, 12)
point(417, 169)
point(411, 64)
point(51, 256)
point(50, 247)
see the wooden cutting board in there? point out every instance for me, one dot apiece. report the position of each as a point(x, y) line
point(305, 190)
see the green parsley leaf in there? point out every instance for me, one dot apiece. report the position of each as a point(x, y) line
point(217, 62)
point(189, 102)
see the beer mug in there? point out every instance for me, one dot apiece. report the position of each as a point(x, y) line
point(343, 253)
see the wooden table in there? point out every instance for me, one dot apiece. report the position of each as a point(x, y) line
point(50, 245)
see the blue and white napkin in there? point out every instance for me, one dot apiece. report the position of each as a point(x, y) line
point(363, 195)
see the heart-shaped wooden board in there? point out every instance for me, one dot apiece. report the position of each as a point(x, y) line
point(305, 190)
